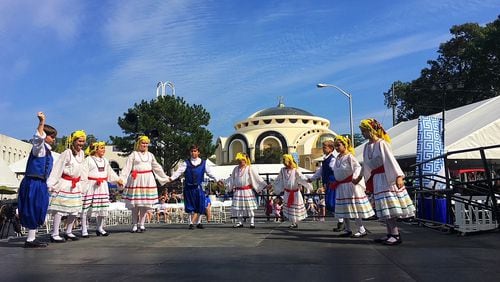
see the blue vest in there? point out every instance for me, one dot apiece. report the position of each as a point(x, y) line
point(326, 171)
point(39, 167)
point(194, 174)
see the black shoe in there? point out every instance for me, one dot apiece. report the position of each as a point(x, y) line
point(57, 240)
point(85, 236)
point(340, 227)
point(191, 227)
point(35, 244)
point(345, 234)
point(142, 229)
point(293, 226)
point(99, 233)
point(72, 238)
point(252, 226)
point(393, 243)
point(200, 226)
point(382, 240)
point(238, 225)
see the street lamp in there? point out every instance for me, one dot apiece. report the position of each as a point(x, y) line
point(349, 96)
point(160, 88)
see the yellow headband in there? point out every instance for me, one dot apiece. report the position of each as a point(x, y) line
point(289, 160)
point(75, 136)
point(376, 128)
point(93, 147)
point(141, 139)
point(243, 156)
point(346, 141)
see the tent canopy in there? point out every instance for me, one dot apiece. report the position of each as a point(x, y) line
point(470, 126)
point(7, 177)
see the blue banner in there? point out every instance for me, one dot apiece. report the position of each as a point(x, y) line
point(430, 145)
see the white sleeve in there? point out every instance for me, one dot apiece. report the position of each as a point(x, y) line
point(209, 172)
point(38, 142)
point(179, 171)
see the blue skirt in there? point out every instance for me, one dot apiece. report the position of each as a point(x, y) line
point(194, 199)
point(33, 201)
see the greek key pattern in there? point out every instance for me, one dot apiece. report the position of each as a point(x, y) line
point(430, 145)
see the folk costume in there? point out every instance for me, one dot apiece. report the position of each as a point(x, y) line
point(351, 200)
point(381, 170)
point(97, 172)
point(244, 180)
point(194, 170)
point(140, 192)
point(289, 181)
point(33, 197)
point(65, 185)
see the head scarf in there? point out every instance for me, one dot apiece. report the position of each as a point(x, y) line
point(75, 136)
point(346, 141)
point(376, 128)
point(93, 147)
point(288, 159)
point(141, 139)
point(243, 156)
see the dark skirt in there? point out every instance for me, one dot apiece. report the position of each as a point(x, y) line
point(330, 199)
point(194, 200)
point(33, 201)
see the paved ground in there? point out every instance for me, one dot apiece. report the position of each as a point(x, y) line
point(271, 252)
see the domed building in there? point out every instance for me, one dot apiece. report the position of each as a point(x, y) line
point(291, 130)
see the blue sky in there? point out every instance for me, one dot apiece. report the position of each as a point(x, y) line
point(84, 63)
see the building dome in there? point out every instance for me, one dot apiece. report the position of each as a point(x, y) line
point(280, 110)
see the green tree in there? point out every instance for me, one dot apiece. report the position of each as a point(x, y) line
point(172, 125)
point(62, 143)
point(467, 70)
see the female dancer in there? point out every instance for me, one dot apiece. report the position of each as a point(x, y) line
point(351, 200)
point(140, 193)
point(64, 182)
point(288, 180)
point(96, 192)
point(385, 178)
point(243, 180)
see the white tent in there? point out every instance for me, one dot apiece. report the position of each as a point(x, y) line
point(467, 127)
point(7, 177)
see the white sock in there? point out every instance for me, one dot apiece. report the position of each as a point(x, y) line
point(70, 221)
point(83, 217)
point(100, 224)
point(199, 219)
point(31, 235)
point(56, 224)
point(341, 220)
point(190, 218)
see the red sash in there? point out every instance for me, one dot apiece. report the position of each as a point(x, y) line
point(135, 172)
point(369, 182)
point(98, 181)
point(336, 183)
point(72, 179)
point(248, 187)
point(291, 197)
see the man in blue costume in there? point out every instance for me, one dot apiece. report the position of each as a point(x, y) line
point(327, 177)
point(33, 198)
point(194, 170)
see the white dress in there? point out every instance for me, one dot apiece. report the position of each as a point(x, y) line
point(390, 201)
point(139, 173)
point(97, 173)
point(288, 180)
point(242, 182)
point(66, 194)
point(351, 200)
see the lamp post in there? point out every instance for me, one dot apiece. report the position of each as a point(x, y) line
point(349, 96)
point(160, 88)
